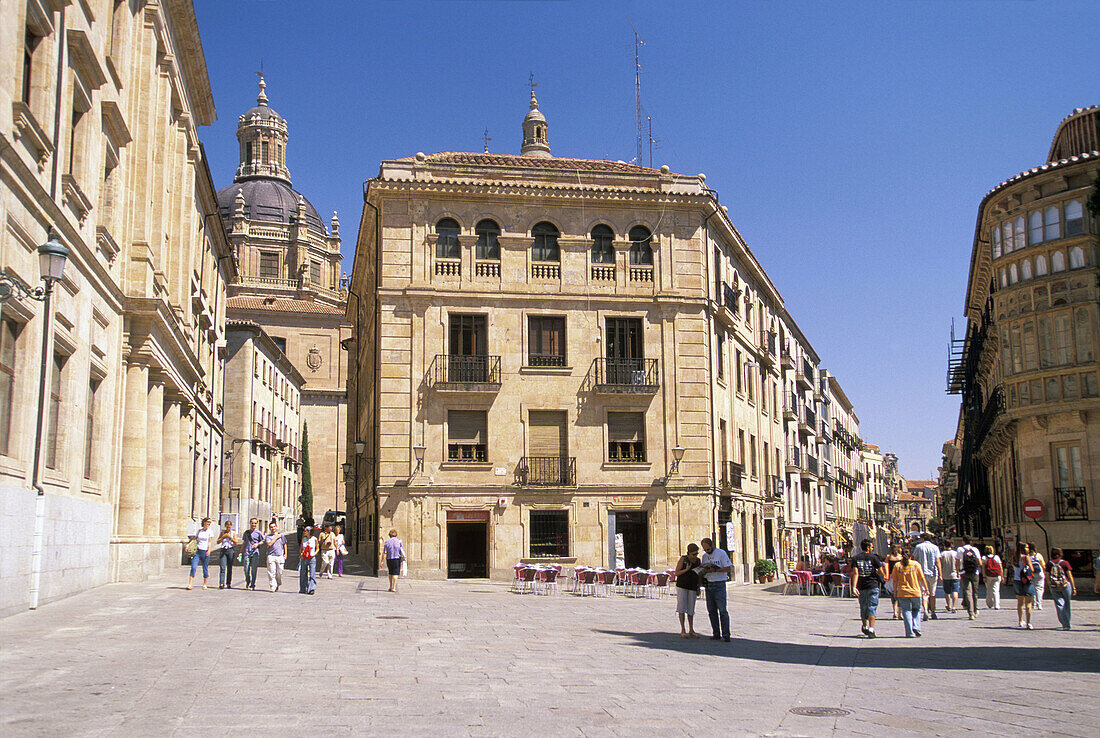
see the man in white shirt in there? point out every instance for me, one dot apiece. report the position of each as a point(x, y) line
point(949, 573)
point(970, 568)
point(716, 569)
point(927, 554)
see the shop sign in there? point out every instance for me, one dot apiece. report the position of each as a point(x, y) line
point(467, 516)
point(770, 511)
point(628, 499)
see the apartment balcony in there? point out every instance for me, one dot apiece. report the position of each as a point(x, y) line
point(732, 475)
point(547, 471)
point(265, 436)
point(794, 459)
point(731, 299)
point(811, 468)
point(790, 406)
point(803, 381)
point(456, 373)
point(807, 424)
point(625, 376)
point(863, 515)
point(767, 347)
point(785, 359)
point(1070, 503)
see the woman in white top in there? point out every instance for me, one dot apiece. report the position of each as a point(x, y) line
point(1040, 578)
point(341, 551)
point(993, 571)
point(202, 554)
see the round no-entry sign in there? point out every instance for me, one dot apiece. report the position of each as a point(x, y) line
point(1033, 508)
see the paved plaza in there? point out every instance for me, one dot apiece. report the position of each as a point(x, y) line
point(470, 658)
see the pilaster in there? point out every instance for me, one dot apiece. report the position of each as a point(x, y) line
point(170, 481)
point(131, 497)
point(154, 459)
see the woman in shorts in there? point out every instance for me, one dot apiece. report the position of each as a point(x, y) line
point(687, 589)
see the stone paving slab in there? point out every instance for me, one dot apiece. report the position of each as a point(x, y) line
point(472, 659)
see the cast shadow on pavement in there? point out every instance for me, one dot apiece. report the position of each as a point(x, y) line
point(991, 658)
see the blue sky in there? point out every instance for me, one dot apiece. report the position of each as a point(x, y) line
point(852, 142)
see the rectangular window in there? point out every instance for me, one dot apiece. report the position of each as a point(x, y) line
point(720, 354)
point(1062, 339)
point(625, 437)
point(315, 273)
point(1030, 354)
point(280, 342)
point(741, 447)
point(546, 341)
point(752, 455)
point(265, 152)
point(1075, 220)
point(1067, 465)
point(9, 336)
point(269, 265)
point(547, 433)
point(737, 369)
point(89, 429)
point(467, 435)
point(549, 533)
point(30, 43)
point(74, 138)
point(53, 413)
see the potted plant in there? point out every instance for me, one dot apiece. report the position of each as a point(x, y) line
point(765, 570)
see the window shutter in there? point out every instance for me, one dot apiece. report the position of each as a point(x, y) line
point(547, 434)
point(625, 427)
point(468, 427)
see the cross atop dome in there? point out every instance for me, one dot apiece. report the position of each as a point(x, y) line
point(535, 142)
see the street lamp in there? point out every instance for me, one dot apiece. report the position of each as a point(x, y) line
point(418, 452)
point(360, 447)
point(346, 466)
point(677, 456)
point(52, 256)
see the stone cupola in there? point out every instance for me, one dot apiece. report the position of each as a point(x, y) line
point(262, 134)
point(535, 141)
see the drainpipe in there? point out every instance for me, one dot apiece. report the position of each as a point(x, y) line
point(710, 352)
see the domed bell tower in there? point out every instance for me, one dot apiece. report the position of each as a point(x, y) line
point(262, 134)
point(535, 142)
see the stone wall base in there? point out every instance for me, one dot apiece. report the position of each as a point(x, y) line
point(135, 560)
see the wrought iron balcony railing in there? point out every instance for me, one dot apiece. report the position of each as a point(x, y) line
point(733, 474)
point(451, 372)
point(1070, 503)
point(811, 465)
point(547, 471)
point(731, 298)
point(630, 376)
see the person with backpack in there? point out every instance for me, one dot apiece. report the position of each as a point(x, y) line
point(994, 573)
point(1062, 586)
point(1023, 582)
point(1040, 576)
point(970, 568)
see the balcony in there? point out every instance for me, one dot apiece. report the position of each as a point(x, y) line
point(732, 475)
point(767, 347)
point(790, 407)
point(451, 373)
point(802, 380)
point(807, 424)
point(794, 459)
point(863, 515)
point(785, 359)
point(1070, 503)
point(731, 299)
point(263, 435)
point(811, 465)
point(625, 376)
point(547, 471)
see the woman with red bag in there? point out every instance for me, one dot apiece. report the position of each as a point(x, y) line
point(307, 564)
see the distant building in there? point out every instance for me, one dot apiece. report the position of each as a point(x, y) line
point(1028, 367)
point(289, 284)
point(916, 505)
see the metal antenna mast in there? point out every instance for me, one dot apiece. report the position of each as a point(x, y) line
point(638, 43)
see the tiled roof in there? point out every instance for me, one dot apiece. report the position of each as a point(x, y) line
point(920, 483)
point(281, 305)
point(1049, 166)
point(536, 162)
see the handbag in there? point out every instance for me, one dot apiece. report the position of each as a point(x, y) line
point(343, 550)
point(192, 547)
point(404, 568)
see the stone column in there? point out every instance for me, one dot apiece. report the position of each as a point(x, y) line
point(186, 466)
point(135, 419)
point(154, 457)
point(170, 481)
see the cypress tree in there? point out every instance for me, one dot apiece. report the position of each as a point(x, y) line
point(307, 484)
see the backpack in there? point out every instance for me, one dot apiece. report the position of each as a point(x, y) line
point(1027, 573)
point(1058, 579)
point(992, 567)
point(970, 562)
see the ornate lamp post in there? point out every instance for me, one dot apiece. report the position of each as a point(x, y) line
point(52, 256)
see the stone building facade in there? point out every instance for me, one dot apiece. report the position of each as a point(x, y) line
point(289, 283)
point(263, 428)
point(100, 106)
point(568, 360)
point(1028, 368)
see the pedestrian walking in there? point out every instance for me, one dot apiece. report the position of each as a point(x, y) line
point(893, 559)
point(868, 576)
point(327, 541)
point(1062, 586)
point(203, 538)
point(307, 563)
point(276, 556)
point(949, 572)
point(912, 589)
point(993, 571)
point(716, 568)
point(687, 589)
point(1096, 575)
point(969, 560)
point(300, 524)
point(393, 553)
point(1023, 583)
point(227, 552)
point(250, 553)
point(341, 550)
point(1041, 577)
point(927, 554)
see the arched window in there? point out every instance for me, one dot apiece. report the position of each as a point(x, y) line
point(1051, 225)
point(1083, 329)
point(1040, 266)
point(641, 245)
point(1025, 270)
point(488, 244)
point(1006, 230)
point(1075, 222)
point(1021, 236)
point(602, 253)
point(1076, 257)
point(1004, 277)
point(996, 238)
point(545, 246)
point(1013, 274)
point(1035, 221)
point(1054, 390)
point(1057, 262)
point(446, 239)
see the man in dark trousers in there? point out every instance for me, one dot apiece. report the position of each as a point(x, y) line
point(868, 577)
